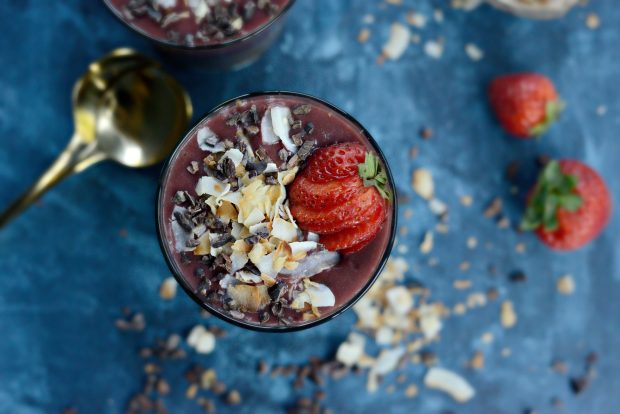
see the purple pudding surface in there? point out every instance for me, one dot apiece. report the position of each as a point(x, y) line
point(197, 23)
point(324, 126)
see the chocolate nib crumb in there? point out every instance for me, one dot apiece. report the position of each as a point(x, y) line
point(512, 170)
point(518, 276)
point(579, 384)
point(193, 167)
point(426, 133)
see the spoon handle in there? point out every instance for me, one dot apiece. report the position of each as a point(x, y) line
point(76, 157)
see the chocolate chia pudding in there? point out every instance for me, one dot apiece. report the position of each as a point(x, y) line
point(276, 212)
point(223, 32)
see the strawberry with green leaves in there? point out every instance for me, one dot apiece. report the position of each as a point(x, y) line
point(342, 195)
point(526, 104)
point(569, 206)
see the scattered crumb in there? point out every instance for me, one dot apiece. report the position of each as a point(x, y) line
point(434, 48)
point(494, 208)
point(449, 382)
point(422, 183)
point(474, 52)
point(476, 361)
point(404, 230)
point(411, 391)
point(506, 352)
point(464, 266)
point(363, 36)
point(492, 293)
point(508, 317)
point(414, 152)
point(427, 243)
point(593, 21)
point(476, 300)
point(518, 276)
point(233, 397)
point(368, 19)
point(503, 223)
point(426, 133)
point(442, 228)
point(462, 284)
point(520, 248)
point(459, 309)
point(416, 38)
point(416, 19)
point(403, 249)
point(398, 42)
point(601, 110)
point(408, 213)
point(487, 337)
point(566, 285)
point(472, 242)
point(394, 2)
point(466, 200)
point(168, 288)
point(438, 15)
point(560, 367)
point(122, 233)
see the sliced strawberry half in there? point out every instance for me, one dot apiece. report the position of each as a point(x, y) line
point(313, 195)
point(355, 238)
point(336, 162)
point(351, 213)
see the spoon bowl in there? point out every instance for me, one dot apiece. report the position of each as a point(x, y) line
point(126, 109)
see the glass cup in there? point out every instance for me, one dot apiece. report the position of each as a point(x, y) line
point(233, 54)
point(354, 274)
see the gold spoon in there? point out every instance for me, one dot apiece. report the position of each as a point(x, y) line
point(126, 109)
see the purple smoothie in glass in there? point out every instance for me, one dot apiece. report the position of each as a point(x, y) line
point(207, 33)
point(236, 133)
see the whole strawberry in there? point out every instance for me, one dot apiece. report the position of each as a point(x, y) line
point(526, 104)
point(341, 195)
point(569, 206)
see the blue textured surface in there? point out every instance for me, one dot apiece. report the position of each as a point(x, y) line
point(65, 272)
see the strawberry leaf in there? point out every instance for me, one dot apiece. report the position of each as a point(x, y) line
point(554, 190)
point(553, 109)
point(372, 174)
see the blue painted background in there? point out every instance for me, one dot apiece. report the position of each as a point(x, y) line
point(65, 271)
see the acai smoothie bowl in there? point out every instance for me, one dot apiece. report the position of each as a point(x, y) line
point(217, 34)
point(277, 211)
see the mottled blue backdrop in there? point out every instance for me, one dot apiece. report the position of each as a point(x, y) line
point(67, 266)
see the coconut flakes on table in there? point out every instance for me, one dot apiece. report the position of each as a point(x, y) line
point(240, 222)
point(398, 42)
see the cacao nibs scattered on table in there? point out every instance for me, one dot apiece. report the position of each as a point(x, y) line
point(512, 170)
point(518, 276)
point(426, 133)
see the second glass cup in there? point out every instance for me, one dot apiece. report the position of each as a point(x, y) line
point(276, 211)
point(203, 33)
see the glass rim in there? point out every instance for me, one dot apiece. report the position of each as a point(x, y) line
point(172, 265)
point(215, 46)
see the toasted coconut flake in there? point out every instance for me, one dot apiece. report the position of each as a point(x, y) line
point(168, 288)
point(266, 265)
point(314, 294)
point(248, 277)
point(255, 217)
point(422, 181)
point(268, 135)
point(399, 299)
point(351, 351)
point(204, 246)
point(314, 264)
point(430, 322)
point(226, 281)
point(384, 335)
point(257, 253)
point(249, 297)
point(238, 260)
point(302, 247)
point(208, 141)
point(261, 229)
point(508, 316)
point(287, 177)
point(271, 168)
point(449, 382)
point(566, 285)
point(386, 362)
point(398, 41)
point(235, 156)
point(284, 230)
point(427, 243)
point(199, 8)
point(227, 212)
point(202, 340)
point(239, 231)
point(280, 116)
point(181, 236)
point(212, 187)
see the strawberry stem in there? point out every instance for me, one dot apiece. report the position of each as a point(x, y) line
point(372, 174)
point(553, 109)
point(554, 190)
